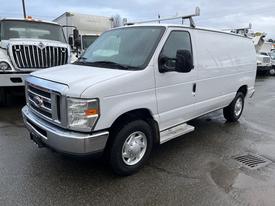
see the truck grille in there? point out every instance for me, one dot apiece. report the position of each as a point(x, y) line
point(34, 57)
point(44, 102)
point(266, 60)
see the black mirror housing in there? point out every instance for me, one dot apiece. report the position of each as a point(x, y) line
point(75, 33)
point(71, 41)
point(184, 61)
point(77, 42)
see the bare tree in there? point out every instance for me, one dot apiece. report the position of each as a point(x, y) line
point(117, 20)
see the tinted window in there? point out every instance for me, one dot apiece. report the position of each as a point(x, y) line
point(88, 40)
point(178, 40)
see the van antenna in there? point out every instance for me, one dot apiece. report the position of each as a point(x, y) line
point(190, 17)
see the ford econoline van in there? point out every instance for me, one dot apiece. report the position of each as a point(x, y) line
point(137, 86)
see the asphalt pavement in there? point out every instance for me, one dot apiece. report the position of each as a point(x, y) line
point(196, 169)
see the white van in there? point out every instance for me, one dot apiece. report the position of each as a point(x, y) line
point(137, 86)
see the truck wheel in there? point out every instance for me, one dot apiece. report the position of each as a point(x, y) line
point(233, 112)
point(272, 72)
point(131, 147)
point(3, 97)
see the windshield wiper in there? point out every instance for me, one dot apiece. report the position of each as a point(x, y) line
point(121, 66)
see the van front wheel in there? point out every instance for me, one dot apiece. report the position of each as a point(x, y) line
point(131, 147)
point(233, 112)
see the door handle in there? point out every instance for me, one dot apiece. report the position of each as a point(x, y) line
point(194, 89)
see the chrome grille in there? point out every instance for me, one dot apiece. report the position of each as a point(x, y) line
point(34, 57)
point(266, 60)
point(44, 102)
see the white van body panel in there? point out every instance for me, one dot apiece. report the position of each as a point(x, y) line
point(136, 90)
point(226, 63)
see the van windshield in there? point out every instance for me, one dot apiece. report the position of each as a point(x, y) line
point(31, 30)
point(124, 48)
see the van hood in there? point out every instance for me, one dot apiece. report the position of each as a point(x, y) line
point(77, 77)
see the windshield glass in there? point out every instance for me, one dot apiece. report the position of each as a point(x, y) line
point(124, 48)
point(87, 40)
point(31, 30)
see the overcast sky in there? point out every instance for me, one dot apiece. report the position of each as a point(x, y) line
point(214, 13)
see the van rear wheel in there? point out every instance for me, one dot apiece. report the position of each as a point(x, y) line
point(233, 112)
point(131, 147)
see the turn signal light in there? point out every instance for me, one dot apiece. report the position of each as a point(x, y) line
point(90, 112)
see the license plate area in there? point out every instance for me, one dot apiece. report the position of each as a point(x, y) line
point(37, 140)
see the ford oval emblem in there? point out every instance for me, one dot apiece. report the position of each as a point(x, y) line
point(38, 101)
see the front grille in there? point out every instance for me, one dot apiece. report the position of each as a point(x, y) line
point(34, 57)
point(44, 102)
point(266, 60)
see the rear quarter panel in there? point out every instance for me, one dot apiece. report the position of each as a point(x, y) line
point(225, 63)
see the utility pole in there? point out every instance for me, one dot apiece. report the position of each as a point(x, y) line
point(24, 9)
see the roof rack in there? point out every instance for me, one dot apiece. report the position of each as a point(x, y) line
point(243, 31)
point(190, 17)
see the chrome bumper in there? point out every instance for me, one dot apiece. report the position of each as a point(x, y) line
point(61, 140)
point(12, 79)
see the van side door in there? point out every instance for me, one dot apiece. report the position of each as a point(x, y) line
point(175, 91)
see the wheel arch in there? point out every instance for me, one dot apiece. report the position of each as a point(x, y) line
point(243, 89)
point(143, 114)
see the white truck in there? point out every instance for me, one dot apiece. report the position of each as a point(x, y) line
point(89, 27)
point(264, 62)
point(28, 45)
point(126, 94)
point(268, 50)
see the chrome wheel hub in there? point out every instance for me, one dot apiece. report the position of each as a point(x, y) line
point(238, 106)
point(134, 148)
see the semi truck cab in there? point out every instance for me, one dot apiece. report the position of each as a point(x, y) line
point(28, 45)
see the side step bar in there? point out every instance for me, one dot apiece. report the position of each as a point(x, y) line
point(174, 132)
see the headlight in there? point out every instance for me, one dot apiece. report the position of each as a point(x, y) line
point(4, 66)
point(82, 114)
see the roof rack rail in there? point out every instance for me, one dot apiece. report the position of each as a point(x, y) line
point(242, 31)
point(190, 17)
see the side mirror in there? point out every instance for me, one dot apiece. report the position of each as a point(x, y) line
point(184, 61)
point(75, 33)
point(71, 41)
point(77, 42)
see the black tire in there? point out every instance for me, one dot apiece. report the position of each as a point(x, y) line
point(230, 113)
point(116, 160)
point(3, 97)
point(272, 71)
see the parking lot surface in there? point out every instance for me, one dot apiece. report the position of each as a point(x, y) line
point(196, 169)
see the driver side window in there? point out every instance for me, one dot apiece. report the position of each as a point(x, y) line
point(177, 40)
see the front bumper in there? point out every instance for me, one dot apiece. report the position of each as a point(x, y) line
point(264, 68)
point(12, 79)
point(62, 140)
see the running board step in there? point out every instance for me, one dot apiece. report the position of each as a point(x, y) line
point(174, 132)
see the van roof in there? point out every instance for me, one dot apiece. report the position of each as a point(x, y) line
point(187, 27)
